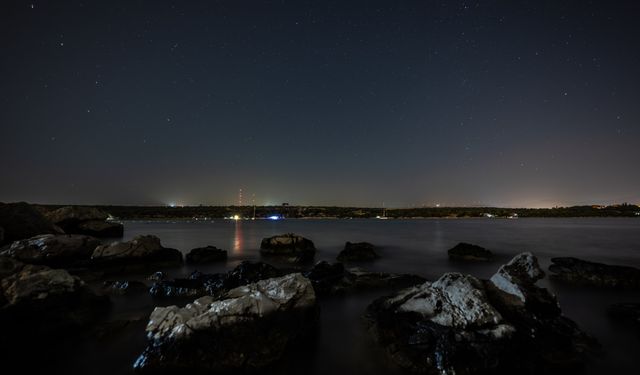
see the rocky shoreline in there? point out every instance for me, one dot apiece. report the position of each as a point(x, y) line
point(249, 317)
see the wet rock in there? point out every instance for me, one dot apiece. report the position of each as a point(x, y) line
point(577, 271)
point(358, 251)
point(123, 287)
point(249, 328)
point(288, 246)
point(465, 251)
point(199, 284)
point(331, 279)
point(21, 220)
point(157, 276)
point(40, 300)
point(462, 325)
point(208, 254)
point(56, 250)
point(145, 251)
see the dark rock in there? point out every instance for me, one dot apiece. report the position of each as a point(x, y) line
point(56, 250)
point(123, 287)
point(21, 220)
point(43, 301)
point(358, 251)
point(74, 214)
point(85, 220)
point(573, 270)
point(102, 229)
point(207, 254)
point(328, 279)
point(465, 251)
point(288, 246)
point(141, 251)
point(199, 284)
point(462, 325)
point(249, 328)
point(626, 312)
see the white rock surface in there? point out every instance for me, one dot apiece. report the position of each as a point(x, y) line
point(514, 277)
point(244, 303)
point(454, 300)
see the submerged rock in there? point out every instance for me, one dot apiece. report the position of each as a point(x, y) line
point(141, 251)
point(331, 279)
point(21, 220)
point(249, 328)
point(627, 312)
point(40, 300)
point(288, 246)
point(465, 251)
point(579, 271)
point(85, 220)
point(199, 284)
point(208, 254)
point(53, 249)
point(462, 325)
point(358, 251)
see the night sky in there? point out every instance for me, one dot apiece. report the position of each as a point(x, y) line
point(503, 103)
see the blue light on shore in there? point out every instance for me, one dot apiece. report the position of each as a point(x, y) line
point(274, 217)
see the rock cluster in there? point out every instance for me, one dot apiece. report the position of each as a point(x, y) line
point(462, 325)
point(579, 271)
point(199, 284)
point(248, 328)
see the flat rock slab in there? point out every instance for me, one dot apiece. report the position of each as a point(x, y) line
point(577, 271)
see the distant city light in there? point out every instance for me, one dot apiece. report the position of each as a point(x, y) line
point(274, 217)
point(236, 217)
point(172, 205)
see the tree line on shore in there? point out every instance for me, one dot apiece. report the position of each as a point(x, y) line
point(287, 211)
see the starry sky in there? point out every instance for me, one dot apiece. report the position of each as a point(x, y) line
point(403, 102)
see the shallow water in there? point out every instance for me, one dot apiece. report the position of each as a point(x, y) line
point(406, 246)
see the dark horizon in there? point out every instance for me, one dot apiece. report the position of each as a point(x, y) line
point(355, 103)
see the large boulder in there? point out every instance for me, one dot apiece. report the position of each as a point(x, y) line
point(199, 284)
point(208, 254)
point(42, 301)
point(56, 250)
point(288, 246)
point(249, 328)
point(577, 271)
point(85, 220)
point(142, 250)
point(462, 325)
point(357, 251)
point(21, 220)
point(466, 251)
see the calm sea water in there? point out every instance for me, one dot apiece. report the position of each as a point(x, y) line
point(405, 246)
